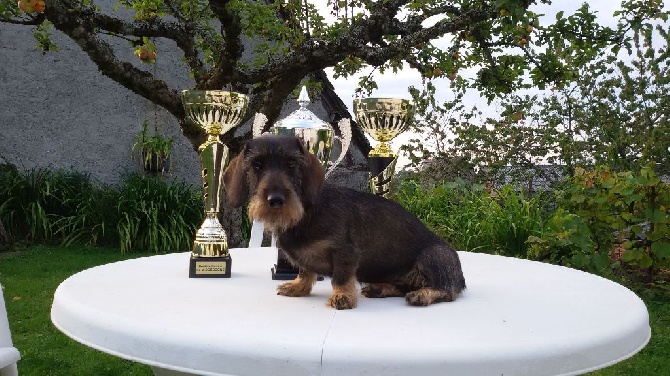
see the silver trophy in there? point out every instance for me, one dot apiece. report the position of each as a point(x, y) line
point(217, 112)
point(318, 137)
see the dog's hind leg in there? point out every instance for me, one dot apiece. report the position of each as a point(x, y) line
point(301, 286)
point(381, 290)
point(436, 277)
point(428, 295)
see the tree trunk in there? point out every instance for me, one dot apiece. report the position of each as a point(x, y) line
point(4, 238)
point(231, 220)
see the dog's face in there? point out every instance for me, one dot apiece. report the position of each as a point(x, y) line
point(280, 176)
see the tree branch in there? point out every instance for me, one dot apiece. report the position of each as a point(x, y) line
point(83, 32)
point(182, 34)
point(225, 71)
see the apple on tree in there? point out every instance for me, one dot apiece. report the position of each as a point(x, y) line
point(40, 6)
point(32, 6)
point(147, 54)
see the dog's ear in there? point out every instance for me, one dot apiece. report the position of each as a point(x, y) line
point(235, 182)
point(315, 175)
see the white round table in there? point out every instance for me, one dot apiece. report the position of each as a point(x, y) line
point(517, 317)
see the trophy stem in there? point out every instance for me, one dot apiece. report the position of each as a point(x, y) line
point(209, 256)
point(382, 150)
point(381, 174)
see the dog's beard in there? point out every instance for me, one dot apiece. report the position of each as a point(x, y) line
point(276, 220)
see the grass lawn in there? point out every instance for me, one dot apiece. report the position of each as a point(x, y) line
point(31, 276)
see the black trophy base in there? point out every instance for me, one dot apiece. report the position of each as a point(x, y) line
point(284, 270)
point(210, 267)
point(279, 274)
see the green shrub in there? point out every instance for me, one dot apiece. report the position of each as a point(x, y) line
point(511, 218)
point(609, 219)
point(474, 219)
point(33, 200)
point(566, 240)
point(94, 219)
point(625, 212)
point(144, 213)
point(157, 217)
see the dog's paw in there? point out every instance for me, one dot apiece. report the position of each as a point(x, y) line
point(381, 290)
point(373, 291)
point(418, 298)
point(294, 289)
point(426, 296)
point(342, 301)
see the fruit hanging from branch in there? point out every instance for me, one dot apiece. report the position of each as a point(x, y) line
point(146, 54)
point(40, 6)
point(31, 6)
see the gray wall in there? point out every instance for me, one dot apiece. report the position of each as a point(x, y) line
point(58, 111)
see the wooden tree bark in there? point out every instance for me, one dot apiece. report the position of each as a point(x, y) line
point(4, 238)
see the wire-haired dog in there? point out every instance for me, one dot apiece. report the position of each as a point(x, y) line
point(339, 232)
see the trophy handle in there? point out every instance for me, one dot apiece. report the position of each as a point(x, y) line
point(345, 140)
point(259, 123)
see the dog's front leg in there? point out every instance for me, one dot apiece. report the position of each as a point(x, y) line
point(344, 295)
point(300, 286)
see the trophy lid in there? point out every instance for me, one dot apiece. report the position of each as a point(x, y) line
point(302, 117)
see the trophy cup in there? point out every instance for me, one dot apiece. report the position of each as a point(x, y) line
point(318, 137)
point(383, 119)
point(216, 112)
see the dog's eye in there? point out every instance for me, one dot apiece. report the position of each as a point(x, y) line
point(291, 164)
point(257, 165)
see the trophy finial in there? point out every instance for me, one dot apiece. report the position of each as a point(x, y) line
point(303, 98)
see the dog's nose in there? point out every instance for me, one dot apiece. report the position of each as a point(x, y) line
point(276, 200)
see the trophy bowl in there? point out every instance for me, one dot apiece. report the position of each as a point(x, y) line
point(383, 119)
point(216, 112)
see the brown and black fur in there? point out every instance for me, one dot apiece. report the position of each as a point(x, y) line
point(338, 232)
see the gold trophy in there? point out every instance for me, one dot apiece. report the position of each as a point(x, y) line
point(217, 112)
point(383, 119)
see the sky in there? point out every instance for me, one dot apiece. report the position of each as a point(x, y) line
point(395, 85)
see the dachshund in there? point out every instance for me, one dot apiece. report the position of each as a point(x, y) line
point(347, 235)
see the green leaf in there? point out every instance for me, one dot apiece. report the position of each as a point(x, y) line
point(601, 261)
point(645, 261)
point(578, 198)
point(656, 215)
point(661, 249)
point(580, 260)
point(631, 255)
